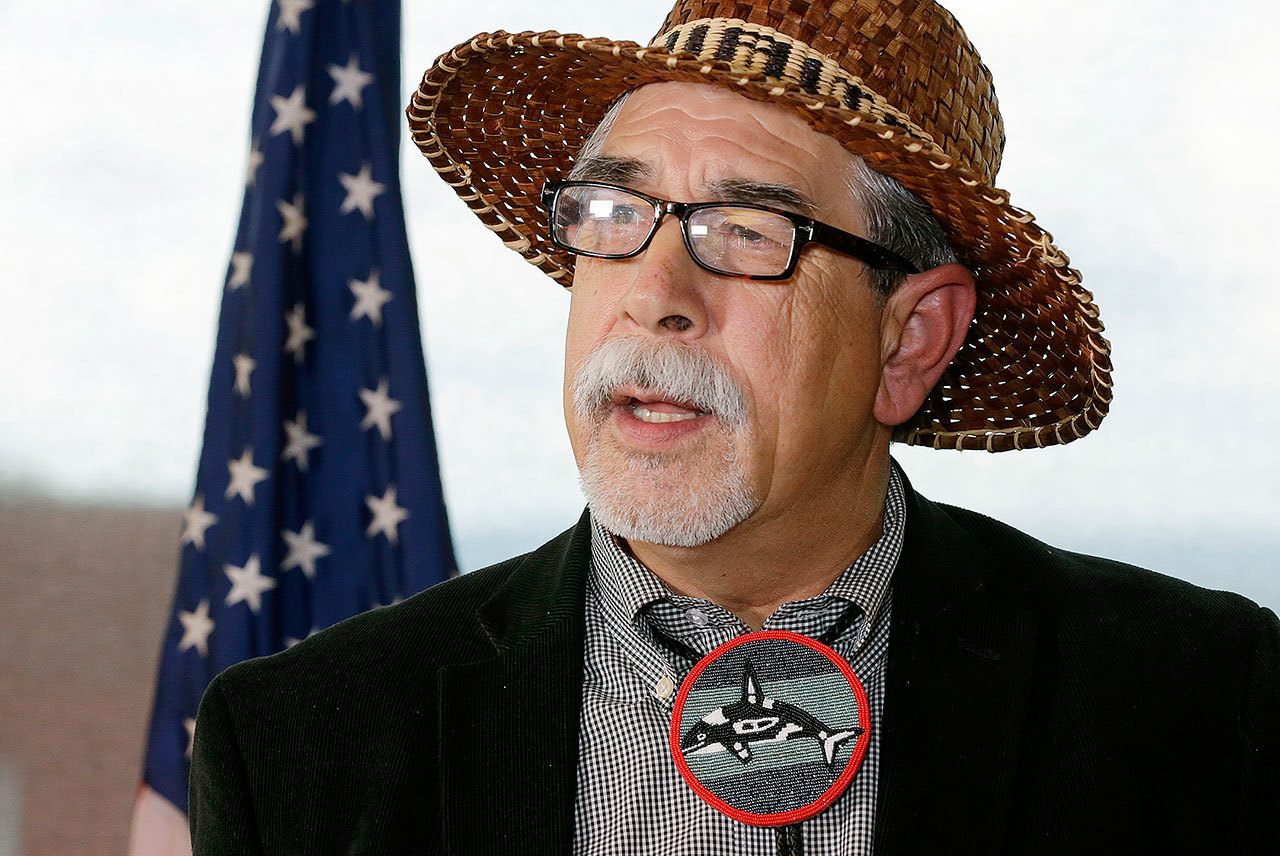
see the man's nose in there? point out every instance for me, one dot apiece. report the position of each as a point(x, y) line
point(665, 296)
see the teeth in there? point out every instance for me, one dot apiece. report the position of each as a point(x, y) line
point(644, 414)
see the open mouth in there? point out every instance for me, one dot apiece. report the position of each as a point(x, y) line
point(655, 412)
point(654, 409)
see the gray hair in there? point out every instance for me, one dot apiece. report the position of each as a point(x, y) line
point(595, 140)
point(896, 218)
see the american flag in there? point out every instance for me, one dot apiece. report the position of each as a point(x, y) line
point(318, 494)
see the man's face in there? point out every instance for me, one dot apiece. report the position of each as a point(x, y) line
point(802, 357)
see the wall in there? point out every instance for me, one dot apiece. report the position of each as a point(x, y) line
point(84, 594)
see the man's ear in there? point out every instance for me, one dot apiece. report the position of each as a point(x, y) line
point(924, 323)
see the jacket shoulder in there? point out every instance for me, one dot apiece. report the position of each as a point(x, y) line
point(1065, 579)
point(384, 649)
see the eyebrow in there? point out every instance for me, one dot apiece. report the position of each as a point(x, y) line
point(610, 168)
point(627, 170)
point(767, 193)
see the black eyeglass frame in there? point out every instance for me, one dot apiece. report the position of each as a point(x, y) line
point(806, 231)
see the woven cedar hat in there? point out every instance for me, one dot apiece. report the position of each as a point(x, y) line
point(895, 81)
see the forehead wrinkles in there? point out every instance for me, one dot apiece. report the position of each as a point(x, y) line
point(713, 137)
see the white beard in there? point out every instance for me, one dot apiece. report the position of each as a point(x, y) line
point(650, 498)
point(681, 498)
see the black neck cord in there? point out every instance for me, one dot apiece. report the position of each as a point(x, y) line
point(790, 842)
point(827, 637)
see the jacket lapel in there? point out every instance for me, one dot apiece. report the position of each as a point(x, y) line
point(509, 724)
point(959, 668)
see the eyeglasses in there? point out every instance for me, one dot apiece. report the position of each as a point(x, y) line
point(607, 221)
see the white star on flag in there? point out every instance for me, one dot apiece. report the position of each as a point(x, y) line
point(380, 409)
point(190, 724)
point(198, 522)
point(245, 365)
point(386, 515)
point(295, 221)
point(244, 475)
point(299, 332)
point(361, 191)
point(370, 298)
point(300, 441)
point(196, 627)
point(291, 14)
point(247, 583)
point(256, 157)
point(241, 268)
point(349, 82)
point(292, 114)
point(304, 549)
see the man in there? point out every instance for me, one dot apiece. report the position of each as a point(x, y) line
point(735, 371)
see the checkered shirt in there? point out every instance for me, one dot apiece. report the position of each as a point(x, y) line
point(630, 797)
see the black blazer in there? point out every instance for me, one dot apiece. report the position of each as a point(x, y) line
point(1037, 701)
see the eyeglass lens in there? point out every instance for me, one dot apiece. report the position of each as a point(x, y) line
point(606, 221)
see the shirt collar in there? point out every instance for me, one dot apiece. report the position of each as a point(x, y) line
point(628, 588)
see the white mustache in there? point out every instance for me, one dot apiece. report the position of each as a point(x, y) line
point(674, 371)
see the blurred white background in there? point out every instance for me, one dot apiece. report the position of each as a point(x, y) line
point(1142, 134)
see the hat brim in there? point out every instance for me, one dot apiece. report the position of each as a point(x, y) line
point(501, 114)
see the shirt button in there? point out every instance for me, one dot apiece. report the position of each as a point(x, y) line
point(698, 617)
point(664, 687)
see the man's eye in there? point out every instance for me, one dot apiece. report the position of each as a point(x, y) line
point(746, 234)
point(624, 215)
